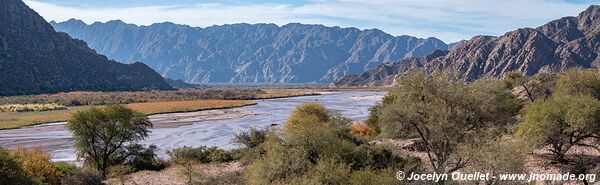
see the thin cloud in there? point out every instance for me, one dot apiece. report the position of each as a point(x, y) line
point(449, 20)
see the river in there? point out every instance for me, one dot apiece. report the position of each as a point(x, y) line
point(214, 129)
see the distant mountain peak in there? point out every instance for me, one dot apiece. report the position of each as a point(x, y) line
point(291, 53)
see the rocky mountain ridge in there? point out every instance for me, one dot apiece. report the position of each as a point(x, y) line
point(292, 53)
point(561, 44)
point(35, 59)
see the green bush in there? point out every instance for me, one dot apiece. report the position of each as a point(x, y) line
point(142, 158)
point(252, 138)
point(65, 168)
point(200, 154)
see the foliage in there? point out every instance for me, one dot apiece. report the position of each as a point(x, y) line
point(316, 147)
point(361, 129)
point(200, 154)
point(140, 158)
point(444, 113)
point(101, 134)
point(106, 98)
point(252, 138)
point(495, 156)
point(31, 107)
point(540, 86)
point(65, 168)
point(11, 171)
point(561, 122)
point(37, 165)
point(579, 82)
point(83, 176)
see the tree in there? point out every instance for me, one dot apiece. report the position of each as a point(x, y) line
point(495, 156)
point(444, 113)
point(536, 87)
point(561, 122)
point(579, 82)
point(102, 134)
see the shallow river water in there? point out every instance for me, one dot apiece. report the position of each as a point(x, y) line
point(56, 139)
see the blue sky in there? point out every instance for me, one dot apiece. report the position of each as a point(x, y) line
point(449, 20)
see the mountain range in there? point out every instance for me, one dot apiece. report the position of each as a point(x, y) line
point(561, 44)
point(35, 59)
point(248, 53)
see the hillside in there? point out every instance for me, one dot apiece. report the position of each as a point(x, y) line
point(292, 53)
point(561, 44)
point(35, 59)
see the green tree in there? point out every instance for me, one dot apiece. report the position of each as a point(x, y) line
point(102, 134)
point(535, 87)
point(579, 82)
point(445, 114)
point(561, 122)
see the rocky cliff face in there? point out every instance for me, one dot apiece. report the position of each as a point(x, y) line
point(36, 59)
point(556, 46)
point(249, 53)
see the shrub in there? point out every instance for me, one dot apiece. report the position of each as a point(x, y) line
point(278, 164)
point(31, 107)
point(65, 168)
point(83, 177)
point(561, 122)
point(37, 165)
point(11, 171)
point(142, 158)
point(200, 154)
point(361, 129)
point(252, 138)
point(328, 171)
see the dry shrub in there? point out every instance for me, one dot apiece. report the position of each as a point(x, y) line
point(36, 164)
point(361, 129)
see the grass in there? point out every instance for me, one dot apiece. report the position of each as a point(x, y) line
point(19, 119)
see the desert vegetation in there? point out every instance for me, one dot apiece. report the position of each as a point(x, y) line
point(17, 111)
point(31, 107)
point(18, 119)
point(425, 124)
point(104, 98)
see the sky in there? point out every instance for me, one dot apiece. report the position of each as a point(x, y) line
point(448, 20)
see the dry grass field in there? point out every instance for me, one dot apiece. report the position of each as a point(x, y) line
point(19, 119)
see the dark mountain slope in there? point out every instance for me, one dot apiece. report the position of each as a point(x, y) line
point(36, 59)
point(556, 46)
point(249, 52)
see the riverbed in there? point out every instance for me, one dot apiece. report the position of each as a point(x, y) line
point(209, 128)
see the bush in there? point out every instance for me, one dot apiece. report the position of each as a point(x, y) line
point(252, 138)
point(11, 171)
point(328, 171)
point(37, 165)
point(65, 168)
point(361, 129)
point(141, 158)
point(200, 154)
point(31, 107)
point(83, 177)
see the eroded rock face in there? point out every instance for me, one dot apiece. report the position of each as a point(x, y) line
point(36, 59)
point(250, 52)
point(556, 46)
